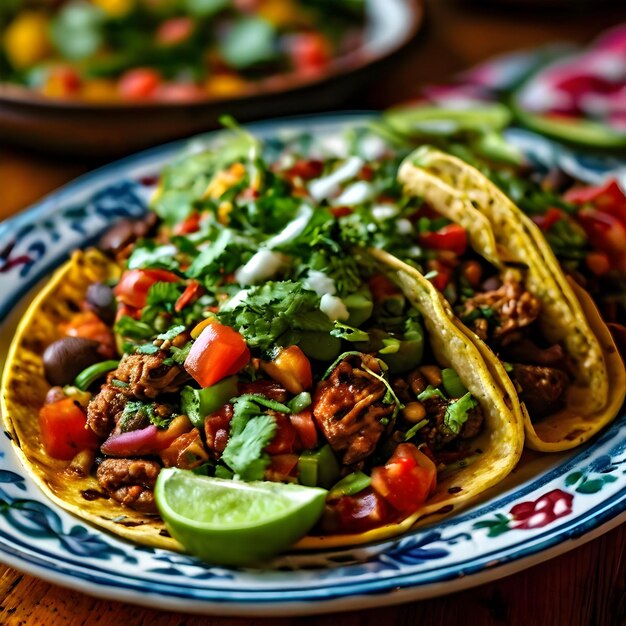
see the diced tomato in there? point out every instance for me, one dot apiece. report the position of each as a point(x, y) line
point(185, 452)
point(217, 428)
point(291, 368)
point(444, 273)
point(548, 219)
point(406, 480)
point(88, 325)
point(341, 211)
point(62, 82)
point(608, 198)
point(358, 513)
point(64, 430)
point(381, 287)
point(190, 224)
point(606, 233)
point(285, 437)
point(304, 424)
point(598, 262)
point(306, 169)
point(310, 53)
point(451, 237)
point(174, 31)
point(191, 294)
point(134, 285)
point(179, 92)
point(218, 352)
point(281, 467)
point(367, 173)
point(139, 83)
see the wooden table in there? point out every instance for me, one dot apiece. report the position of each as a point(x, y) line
point(584, 587)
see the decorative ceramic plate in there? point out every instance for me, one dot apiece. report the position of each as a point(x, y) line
point(551, 504)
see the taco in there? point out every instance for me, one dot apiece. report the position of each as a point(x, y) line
point(542, 326)
point(225, 343)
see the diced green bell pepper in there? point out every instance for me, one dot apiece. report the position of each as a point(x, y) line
point(452, 383)
point(91, 374)
point(350, 485)
point(318, 468)
point(198, 403)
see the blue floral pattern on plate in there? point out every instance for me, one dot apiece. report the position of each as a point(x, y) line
point(564, 500)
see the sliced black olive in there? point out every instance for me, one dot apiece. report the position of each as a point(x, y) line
point(101, 300)
point(67, 357)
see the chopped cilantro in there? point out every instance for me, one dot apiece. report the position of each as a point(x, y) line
point(430, 392)
point(272, 314)
point(163, 293)
point(126, 326)
point(180, 354)
point(147, 348)
point(457, 412)
point(250, 431)
point(409, 434)
point(171, 333)
point(145, 410)
point(150, 256)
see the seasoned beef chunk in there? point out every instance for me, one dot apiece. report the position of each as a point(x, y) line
point(267, 388)
point(105, 410)
point(130, 482)
point(348, 408)
point(436, 435)
point(513, 308)
point(528, 352)
point(542, 387)
point(147, 375)
point(474, 423)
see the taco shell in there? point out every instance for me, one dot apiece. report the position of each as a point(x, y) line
point(24, 389)
point(460, 192)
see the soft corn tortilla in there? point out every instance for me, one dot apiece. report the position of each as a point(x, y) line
point(24, 388)
point(463, 194)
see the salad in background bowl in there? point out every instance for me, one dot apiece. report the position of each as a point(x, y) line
point(106, 77)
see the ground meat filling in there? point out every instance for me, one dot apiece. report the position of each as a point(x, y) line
point(348, 408)
point(105, 410)
point(542, 388)
point(540, 373)
point(147, 375)
point(130, 482)
point(512, 306)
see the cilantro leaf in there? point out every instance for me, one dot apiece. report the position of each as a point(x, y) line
point(225, 254)
point(150, 256)
point(276, 311)
point(126, 326)
point(163, 293)
point(141, 409)
point(457, 412)
point(169, 334)
point(250, 431)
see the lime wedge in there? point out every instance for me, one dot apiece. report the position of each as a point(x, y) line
point(229, 522)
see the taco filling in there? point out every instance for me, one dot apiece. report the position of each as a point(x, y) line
point(243, 331)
